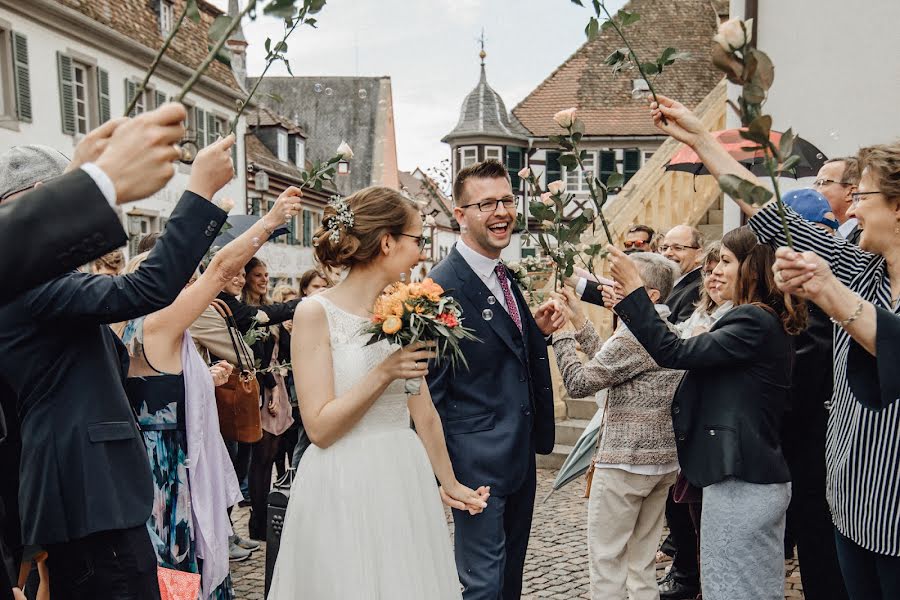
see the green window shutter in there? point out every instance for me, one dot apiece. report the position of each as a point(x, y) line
point(160, 99)
point(210, 128)
point(103, 94)
point(607, 164)
point(514, 164)
point(307, 228)
point(66, 93)
point(553, 170)
point(22, 77)
point(200, 120)
point(130, 91)
point(631, 163)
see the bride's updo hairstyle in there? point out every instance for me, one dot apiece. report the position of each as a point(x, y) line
point(375, 211)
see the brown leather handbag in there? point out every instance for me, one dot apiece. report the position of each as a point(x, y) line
point(238, 399)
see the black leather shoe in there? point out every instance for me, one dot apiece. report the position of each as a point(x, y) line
point(672, 589)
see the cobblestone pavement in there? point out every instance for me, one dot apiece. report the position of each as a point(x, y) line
point(556, 567)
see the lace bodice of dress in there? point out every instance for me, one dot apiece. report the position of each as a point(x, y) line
point(352, 359)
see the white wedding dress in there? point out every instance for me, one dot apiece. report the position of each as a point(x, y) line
point(365, 519)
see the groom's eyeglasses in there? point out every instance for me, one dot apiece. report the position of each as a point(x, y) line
point(509, 203)
point(420, 239)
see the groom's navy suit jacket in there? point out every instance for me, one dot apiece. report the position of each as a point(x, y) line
point(498, 412)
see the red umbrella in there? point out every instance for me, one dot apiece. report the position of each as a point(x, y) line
point(811, 158)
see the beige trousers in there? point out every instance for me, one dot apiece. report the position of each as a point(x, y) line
point(625, 521)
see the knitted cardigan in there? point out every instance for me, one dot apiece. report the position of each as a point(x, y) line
point(638, 428)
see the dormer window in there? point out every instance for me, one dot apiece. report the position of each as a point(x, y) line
point(166, 16)
point(282, 145)
point(300, 152)
point(343, 168)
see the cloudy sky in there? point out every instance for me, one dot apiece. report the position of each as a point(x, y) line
point(429, 48)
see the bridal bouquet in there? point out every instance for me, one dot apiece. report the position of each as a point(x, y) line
point(420, 312)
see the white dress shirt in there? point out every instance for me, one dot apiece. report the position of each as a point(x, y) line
point(847, 227)
point(484, 268)
point(103, 182)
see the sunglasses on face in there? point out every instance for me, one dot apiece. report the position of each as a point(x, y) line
point(636, 244)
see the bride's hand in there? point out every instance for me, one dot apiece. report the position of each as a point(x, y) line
point(408, 362)
point(460, 497)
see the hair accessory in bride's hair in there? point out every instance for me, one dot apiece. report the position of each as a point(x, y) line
point(343, 217)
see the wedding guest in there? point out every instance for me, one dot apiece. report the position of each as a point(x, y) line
point(147, 242)
point(868, 547)
point(288, 440)
point(111, 263)
point(171, 391)
point(805, 424)
point(836, 180)
point(275, 408)
point(730, 447)
point(636, 458)
point(210, 331)
point(639, 238)
point(79, 439)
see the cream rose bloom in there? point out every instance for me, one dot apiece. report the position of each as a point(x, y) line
point(731, 34)
point(525, 173)
point(344, 151)
point(565, 118)
point(547, 198)
point(261, 317)
point(556, 187)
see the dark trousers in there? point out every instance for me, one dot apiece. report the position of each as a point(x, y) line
point(240, 459)
point(867, 575)
point(261, 461)
point(490, 547)
point(113, 565)
point(808, 517)
point(685, 567)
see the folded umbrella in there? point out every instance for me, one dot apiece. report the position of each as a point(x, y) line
point(579, 459)
point(811, 158)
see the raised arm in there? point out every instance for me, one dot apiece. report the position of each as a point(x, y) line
point(190, 232)
point(170, 322)
point(327, 417)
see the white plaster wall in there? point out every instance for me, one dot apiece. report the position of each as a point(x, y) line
point(837, 74)
point(46, 125)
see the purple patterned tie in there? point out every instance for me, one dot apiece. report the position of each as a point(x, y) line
point(511, 305)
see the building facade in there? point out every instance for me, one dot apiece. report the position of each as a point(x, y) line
point(67, 66)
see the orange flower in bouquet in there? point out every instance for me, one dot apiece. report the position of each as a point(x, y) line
point(420, 312)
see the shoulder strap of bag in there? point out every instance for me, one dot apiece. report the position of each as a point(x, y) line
point(240, 349)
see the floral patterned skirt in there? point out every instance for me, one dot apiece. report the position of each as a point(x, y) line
point(170, 521)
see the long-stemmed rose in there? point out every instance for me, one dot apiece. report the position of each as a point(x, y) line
point(325, 171)
point(627, 57)
point(753, 70)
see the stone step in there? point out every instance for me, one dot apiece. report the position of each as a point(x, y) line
point(581, 408)
point(555, 459)
point(715, 217)
point(568, 431)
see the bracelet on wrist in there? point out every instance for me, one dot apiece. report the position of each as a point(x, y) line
point(856, 314)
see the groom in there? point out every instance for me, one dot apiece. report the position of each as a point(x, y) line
point(499, 412)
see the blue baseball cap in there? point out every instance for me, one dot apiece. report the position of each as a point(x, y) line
point(812, 206)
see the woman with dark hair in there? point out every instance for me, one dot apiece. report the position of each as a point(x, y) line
point(727, 413)
point(862, 464)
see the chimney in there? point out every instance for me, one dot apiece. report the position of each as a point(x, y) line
point(237, 46)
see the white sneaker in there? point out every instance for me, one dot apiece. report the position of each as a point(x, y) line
point(236, 553)
point(245, 544)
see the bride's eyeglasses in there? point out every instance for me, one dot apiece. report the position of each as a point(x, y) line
point(420, 239)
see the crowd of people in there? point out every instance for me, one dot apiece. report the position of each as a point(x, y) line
point(746, 391)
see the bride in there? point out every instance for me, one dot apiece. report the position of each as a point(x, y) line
point(365, 519)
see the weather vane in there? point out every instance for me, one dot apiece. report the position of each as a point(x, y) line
point(481, 41)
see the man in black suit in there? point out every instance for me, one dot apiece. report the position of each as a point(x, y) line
point(683, 245)
point(498, 413)
point(85, 485)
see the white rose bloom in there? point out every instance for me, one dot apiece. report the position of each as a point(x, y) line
point(731, 34)
point(565, 118)
point(261, 317)
point(525, 173)
point(429, 221)
point(344, 151)
point(547, 198)
point(557, 187)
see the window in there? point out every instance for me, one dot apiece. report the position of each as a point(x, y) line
point(82, 105)
point(631, 163)
point(515, 160)
point(468, 155)
point(140, 225)
point(311, 221)
point(166, 17)
point(300, 152)
point(607, 164)
point(576, 182)
point(343, 168)
point(282, 145)
point(493, 153)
